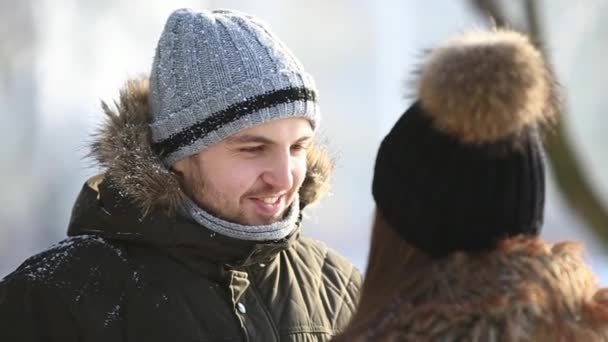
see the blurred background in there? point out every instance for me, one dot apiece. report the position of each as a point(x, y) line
point(59, 58)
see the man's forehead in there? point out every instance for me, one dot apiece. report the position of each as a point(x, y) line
point(293, 128)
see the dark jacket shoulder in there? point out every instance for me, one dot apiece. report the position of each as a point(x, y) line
point(42, 299)
point(70, 262)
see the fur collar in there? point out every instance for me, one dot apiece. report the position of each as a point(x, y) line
point(526, 290)
point(122, 147)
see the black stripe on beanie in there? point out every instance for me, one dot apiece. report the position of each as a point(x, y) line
point(234, 112)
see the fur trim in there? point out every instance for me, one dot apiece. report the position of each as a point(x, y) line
point(122, 146)
point(526, 290)
point(484, 86)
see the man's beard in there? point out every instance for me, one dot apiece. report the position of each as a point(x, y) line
point(214, 202)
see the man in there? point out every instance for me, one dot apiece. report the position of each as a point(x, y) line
point(192, 233)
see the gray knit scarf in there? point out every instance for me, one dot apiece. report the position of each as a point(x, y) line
point(275, 231)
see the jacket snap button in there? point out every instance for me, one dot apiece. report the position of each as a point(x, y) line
point(241, 308)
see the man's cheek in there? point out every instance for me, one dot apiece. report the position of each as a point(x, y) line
point(300, 174)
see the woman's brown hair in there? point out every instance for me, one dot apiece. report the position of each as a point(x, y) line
point(390, 260)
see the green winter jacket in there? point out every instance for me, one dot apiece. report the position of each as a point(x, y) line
point(133, 270)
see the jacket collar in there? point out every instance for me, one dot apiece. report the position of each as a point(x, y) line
point(524, 290)
point(102, 209)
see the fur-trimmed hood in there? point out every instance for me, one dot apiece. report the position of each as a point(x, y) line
point(525, 290)
point(122, 147)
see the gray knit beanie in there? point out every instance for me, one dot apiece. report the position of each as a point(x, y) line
point(216, 73)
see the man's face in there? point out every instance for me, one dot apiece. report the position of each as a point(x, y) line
point(251, 177)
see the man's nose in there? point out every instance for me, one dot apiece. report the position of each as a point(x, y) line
point(279, 173)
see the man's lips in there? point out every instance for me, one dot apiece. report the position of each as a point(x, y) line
point(269, 205)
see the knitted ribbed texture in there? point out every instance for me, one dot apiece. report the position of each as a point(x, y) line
point(216, 73)
point(274, 231)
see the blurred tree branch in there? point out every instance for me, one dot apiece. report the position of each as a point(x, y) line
point(569, 174)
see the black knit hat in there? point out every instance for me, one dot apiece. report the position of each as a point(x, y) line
point(463, 166)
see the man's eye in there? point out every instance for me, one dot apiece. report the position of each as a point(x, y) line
point(252, 149)
point(298, 147)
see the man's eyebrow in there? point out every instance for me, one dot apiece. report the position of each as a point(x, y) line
point(248, 139)
point(304, 139)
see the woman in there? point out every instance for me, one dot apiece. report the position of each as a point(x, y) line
point(459, 189)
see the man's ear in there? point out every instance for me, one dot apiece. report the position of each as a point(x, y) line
point(180, 166)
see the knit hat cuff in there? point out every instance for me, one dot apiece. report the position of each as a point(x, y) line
point(305, 109)
point(252, 102)
point(172, 123)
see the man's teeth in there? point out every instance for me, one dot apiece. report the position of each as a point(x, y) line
point(270, 200)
